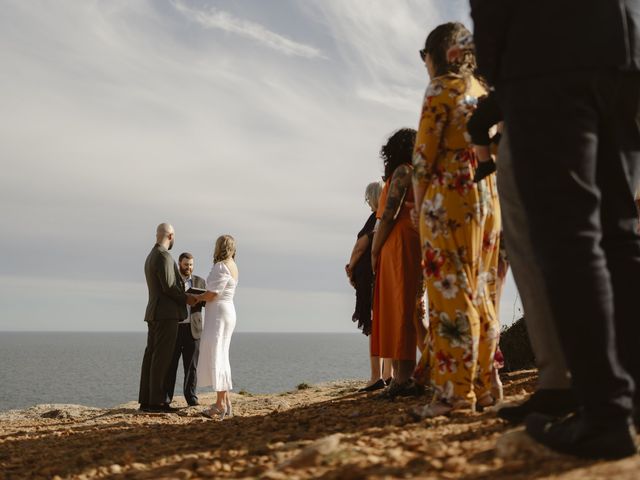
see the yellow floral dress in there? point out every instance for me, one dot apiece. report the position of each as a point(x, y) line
point(459, 234)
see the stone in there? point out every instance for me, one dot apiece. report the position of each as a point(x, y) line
point(183, 474)
point(517, 444)
point(455, 464)
point(313, 454)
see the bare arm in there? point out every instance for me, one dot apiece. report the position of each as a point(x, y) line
point(359, 248)
point(400, 182)
point(206, 296)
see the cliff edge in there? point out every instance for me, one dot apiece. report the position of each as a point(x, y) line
point(324, 431)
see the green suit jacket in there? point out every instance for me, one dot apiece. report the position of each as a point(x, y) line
point(167, 300)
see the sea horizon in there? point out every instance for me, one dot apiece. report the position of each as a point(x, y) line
point(101, 369)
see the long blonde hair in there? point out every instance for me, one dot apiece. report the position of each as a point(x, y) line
point(225, 248)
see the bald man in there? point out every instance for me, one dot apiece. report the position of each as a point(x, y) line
point(166, 307)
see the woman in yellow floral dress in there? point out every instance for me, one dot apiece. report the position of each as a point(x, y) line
point(459, 229)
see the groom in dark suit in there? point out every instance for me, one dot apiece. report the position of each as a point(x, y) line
point(188, 341)
point(167, 306)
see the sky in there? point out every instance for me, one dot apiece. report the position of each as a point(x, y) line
point(258, 119)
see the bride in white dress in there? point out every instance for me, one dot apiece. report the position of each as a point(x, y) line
point(214, 369)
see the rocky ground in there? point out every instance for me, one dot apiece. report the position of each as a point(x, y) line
point(325, 431)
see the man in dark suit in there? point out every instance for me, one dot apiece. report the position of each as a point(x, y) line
point(567, 74)
point(167, 306)
point(188, 341)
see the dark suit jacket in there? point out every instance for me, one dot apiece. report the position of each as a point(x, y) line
point(196, 310)
point(167, 300)
point(523, 38)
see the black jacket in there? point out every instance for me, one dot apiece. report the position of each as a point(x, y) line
point(524, 38)
point(196, 310)
point(167, 300)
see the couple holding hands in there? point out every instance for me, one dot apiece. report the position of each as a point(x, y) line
point(170, 303)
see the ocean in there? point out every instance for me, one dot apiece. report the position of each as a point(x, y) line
point(103, 369)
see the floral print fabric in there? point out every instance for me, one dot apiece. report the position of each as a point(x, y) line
point(459, 234)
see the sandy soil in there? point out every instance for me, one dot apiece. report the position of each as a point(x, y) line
point(326, 431)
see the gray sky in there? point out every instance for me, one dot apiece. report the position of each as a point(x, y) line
point(254, 118)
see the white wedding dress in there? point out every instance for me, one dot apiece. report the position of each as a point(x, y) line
point(219, 321)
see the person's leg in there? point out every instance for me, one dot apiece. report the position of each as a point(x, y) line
point(552, 368)
point(375, 370)
point(555, 124)
point(172, 370)
point(486, 296)
point(189, 361)
point(618, 177)
point(221, 400)
point(164, 344)
point(454, 331)
point(387, 369)
point(403, 370)
point(553, 132)
point(145, 371)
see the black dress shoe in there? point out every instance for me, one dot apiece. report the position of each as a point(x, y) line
point(144, 407)
point(574, 435)
point(548, 401)
point(164, 408)
point(152, 408)
point(374, 386)
point(193, 402)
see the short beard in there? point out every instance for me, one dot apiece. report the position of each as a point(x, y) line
point(170, 245)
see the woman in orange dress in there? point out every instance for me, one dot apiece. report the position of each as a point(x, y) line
point(397, 329)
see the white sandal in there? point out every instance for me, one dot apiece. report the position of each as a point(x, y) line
point(213, 412)
point(438, 408)
point(229, 410)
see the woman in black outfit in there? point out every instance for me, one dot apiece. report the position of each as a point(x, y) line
point(360, 275)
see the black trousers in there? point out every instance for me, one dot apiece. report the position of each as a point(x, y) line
point(189, 348)
point(575, 145)
point(161, 340)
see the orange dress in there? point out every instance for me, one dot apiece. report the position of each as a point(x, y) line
point(398, 278)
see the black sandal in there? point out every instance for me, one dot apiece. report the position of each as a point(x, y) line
point(380, 384)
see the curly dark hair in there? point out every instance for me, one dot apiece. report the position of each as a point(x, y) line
point(397, 150)
point(440, 40)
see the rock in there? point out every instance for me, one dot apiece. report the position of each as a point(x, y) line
point(517, 444)
point(183, 474)
point(274, 475)
point(455, 464)
point(207, 472)
point(115, 469)
point(57, 414)
point(396, 454)
point(313, 454)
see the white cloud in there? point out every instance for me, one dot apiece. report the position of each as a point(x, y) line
point(120, 115)
point(215, 18)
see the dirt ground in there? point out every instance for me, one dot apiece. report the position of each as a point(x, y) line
point(326, 431)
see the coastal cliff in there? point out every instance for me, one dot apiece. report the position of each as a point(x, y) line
point(324, 431)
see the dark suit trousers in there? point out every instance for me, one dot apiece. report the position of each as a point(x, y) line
point(575, 144)
point(161, 340)
point(187, 347)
